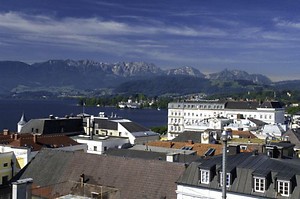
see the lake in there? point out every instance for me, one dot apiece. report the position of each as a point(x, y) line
point(11, 111)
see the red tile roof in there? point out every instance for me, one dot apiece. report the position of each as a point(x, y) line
point(198, 147)
point(36, 142)
point(243, 134)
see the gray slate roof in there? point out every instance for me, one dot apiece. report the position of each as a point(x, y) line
point(257, 122)
point(106, 124)
point(149, 155)
point(187, 136)
point(268, 104)
point(54, 126)
point(294, 137)
point(241, 105)
point(134, 178)
point(133, 127)
point(243, 167)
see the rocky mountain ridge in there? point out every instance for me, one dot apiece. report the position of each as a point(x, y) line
point(131, 69)
point(63, 77)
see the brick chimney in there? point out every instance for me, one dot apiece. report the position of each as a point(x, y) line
point(82, 180)
point(35, 138)
point(190, 141)
point(16, 136)
point(5, 132)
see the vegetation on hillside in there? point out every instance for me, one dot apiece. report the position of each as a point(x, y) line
point(146, 102)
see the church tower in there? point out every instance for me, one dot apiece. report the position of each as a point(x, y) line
point(21, 123)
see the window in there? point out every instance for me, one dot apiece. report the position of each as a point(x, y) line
point(227, 179)
point(5, 164)
point(4, 179)
point(259, 184)
point(95, 148)
point(204, 176)
point(283, 187)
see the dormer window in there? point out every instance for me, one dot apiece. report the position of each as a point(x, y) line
point(205, 176)
point(228, 178)
point(259, 184)
point(283, 187)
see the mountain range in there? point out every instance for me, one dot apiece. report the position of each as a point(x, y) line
point(86, 77)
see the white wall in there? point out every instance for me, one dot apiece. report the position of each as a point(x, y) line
point(185, 192)
point(98, 146)
point(21, 155)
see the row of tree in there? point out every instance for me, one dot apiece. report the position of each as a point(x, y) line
point(146, 102)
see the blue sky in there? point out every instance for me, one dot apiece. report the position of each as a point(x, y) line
point(258, 36)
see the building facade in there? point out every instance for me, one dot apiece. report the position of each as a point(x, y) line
point(194, 116)
point(248, 175)
point(119, 127)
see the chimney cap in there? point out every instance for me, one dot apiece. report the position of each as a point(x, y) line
point(23, 181)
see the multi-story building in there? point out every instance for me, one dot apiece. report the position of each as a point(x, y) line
point(118, 127)
point(199, 116)
point(248, 175)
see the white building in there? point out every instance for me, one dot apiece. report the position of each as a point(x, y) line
point(99, 144)
point(20, 154)
point(118, 127)
point(186, 116)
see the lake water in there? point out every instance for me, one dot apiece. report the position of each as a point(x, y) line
point(11, 111)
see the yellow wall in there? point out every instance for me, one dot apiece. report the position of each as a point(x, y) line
point(5, 166)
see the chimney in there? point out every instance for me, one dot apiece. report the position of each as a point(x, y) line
point(190, 141)
point(35, 138)
point(5, 132)
point(233, 149)
point(255, 152)
point(21, 189)
point(172, 157)
point(82, 180)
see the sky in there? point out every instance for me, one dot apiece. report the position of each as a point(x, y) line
point(256, 36)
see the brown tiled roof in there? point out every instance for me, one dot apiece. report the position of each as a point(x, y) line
point(47, 141)
point(198, 147)
point(5, 139)
point(134, 178)
point(243, 134)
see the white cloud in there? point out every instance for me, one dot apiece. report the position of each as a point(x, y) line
point(93, 26)
point(286, 24)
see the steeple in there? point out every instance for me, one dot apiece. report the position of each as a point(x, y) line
point(22, 122)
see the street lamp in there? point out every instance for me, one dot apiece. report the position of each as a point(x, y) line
point(224, 174)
